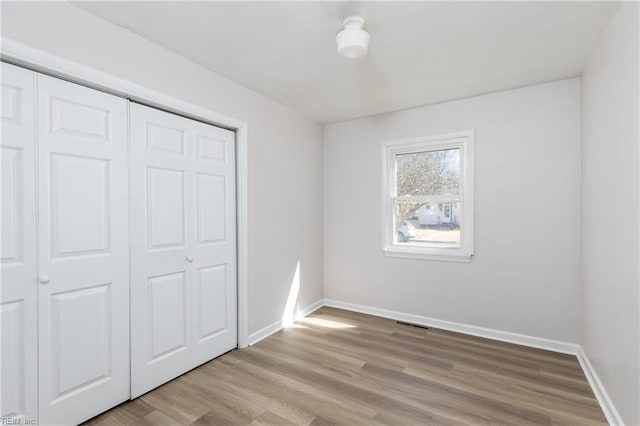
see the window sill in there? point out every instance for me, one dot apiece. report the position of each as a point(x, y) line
point(443, 257)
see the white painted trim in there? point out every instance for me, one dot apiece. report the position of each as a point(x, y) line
point(267, 331)
point(607, 406)
point(503, 336)
point(242, 223)
point(47, 63)
point(610, 412)
point(406, 254)
point(464, 141)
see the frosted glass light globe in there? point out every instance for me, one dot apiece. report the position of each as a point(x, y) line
point(353, 40)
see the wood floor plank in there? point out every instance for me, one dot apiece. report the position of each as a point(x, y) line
point(337, 367)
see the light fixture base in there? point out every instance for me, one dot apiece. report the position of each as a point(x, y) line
point(353, 21)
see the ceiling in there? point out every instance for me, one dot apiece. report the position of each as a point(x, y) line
point(421, 52)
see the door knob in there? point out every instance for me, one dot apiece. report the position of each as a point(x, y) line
point(44, 279)
point(189, 259)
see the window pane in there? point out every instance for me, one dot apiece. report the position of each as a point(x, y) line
point(422, 224)
point(428, 173)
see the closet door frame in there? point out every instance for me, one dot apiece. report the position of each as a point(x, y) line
point(56, 66)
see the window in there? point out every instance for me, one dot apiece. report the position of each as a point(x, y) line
point(428, 197)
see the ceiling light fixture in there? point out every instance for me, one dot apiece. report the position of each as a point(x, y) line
point(353, 40)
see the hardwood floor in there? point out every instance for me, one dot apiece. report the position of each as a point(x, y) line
point(340, 367)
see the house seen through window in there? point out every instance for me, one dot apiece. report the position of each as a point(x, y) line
point(427, 208)
point(428, 197)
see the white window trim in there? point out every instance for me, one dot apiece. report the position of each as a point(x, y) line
point(464, 141)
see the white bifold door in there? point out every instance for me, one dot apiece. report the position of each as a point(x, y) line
point(83, 251)
point(118, 248)
point(18, 285)
point(183, 245)
point(65, 249)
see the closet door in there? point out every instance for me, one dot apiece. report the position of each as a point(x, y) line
point(214, 248)
point(183, 245)
point(83, 251)
point(161, 238)
point(18, 292)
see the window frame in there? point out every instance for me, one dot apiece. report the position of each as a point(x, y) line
point(461, 140)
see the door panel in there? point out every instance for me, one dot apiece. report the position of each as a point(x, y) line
point(160, 237)
point(83, 251)
point(80, 119)
point(212, 298)
point(18, 268)
point(183, 245)
point(214, 252)
point(79, 207)
point(166, 211)
point(13, 362)
point(80, 322)
point(165, 140)
point(12, 201)
point(212, 200)
point(168, 319)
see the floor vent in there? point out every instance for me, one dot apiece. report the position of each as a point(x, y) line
point(414, 325)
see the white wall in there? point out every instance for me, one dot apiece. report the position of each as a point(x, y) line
point(524, 277)
point(610, 229)
point(285, 148)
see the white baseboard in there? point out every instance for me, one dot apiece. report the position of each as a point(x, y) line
point(267, 331)
point(610, 412)
point(503, 336)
